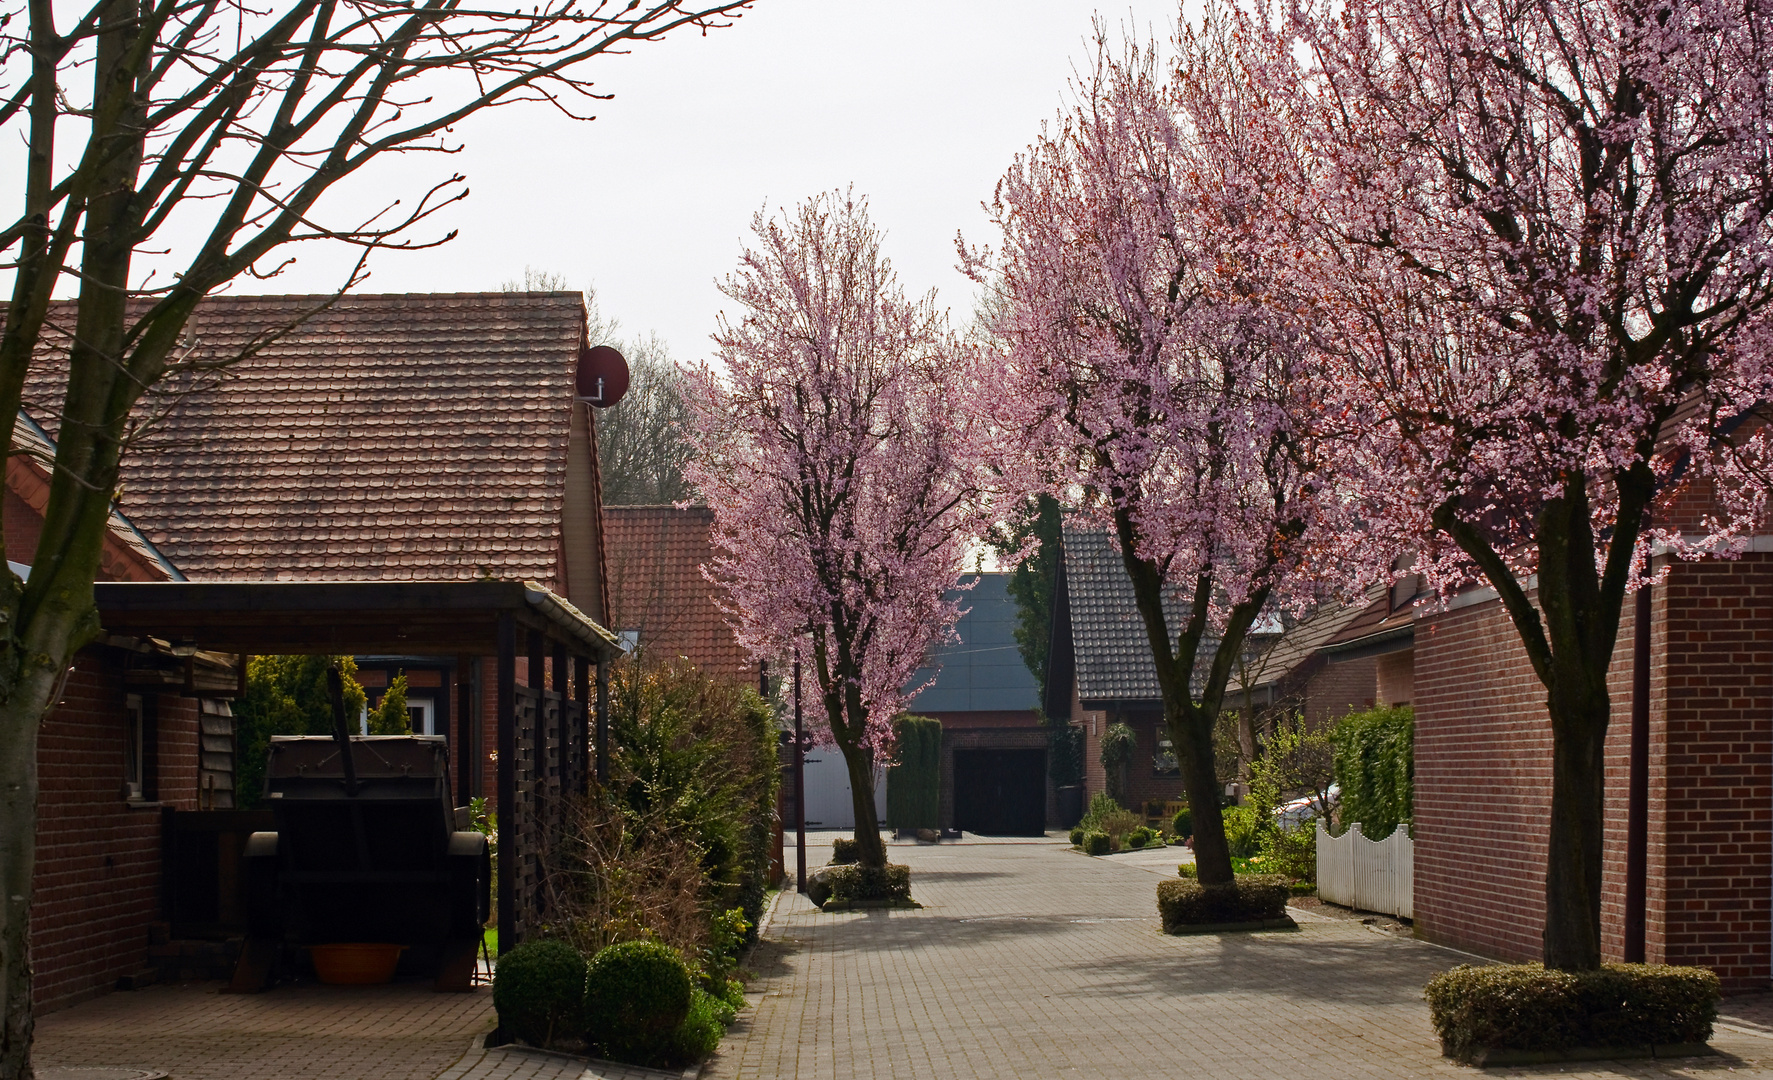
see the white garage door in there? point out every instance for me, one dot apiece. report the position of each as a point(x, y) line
point(829, 804)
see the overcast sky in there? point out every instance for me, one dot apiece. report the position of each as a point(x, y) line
point(920, 104)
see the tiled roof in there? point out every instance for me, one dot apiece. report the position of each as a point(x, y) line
point(984, 671)
point(387, 437)
point(1312, 633)
point(657, 590)
point(33, 449)
point(1113, 654)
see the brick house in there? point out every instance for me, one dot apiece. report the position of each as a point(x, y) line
point(1099, 667)
point(660, 603)
point(135, 729)
point(395, 438)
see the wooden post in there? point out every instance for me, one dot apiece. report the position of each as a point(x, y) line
point(538, 674)
point(467, 742)
point(510, 858)
point(799, 788)
point(582, 730)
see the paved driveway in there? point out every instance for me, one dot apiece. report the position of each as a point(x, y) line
point(1029, 960)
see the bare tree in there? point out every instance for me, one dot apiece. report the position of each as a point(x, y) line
point(146, 118)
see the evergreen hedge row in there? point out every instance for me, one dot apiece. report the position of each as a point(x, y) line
point(1185, 902)
point(914, 784)
point(1376, 766)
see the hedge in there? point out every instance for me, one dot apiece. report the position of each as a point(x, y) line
point(1376, 766)
point(1185, 902)
point(1096, 843)
point(914, 784)
point(1525, 1007)
point(844, 851)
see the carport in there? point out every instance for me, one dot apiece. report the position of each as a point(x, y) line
point(544, 743)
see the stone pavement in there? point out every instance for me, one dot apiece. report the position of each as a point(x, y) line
point(1028, 960)
point(1034, 961)
point(404, 1031)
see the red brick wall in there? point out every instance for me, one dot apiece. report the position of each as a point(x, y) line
point(1715, 862)
point(1395, 678)
point(1483, 750)
point(1483, 785)
point(97, 880)
point(1337, 689)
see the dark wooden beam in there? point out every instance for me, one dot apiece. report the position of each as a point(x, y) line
point(467, 740)
point(509, 826)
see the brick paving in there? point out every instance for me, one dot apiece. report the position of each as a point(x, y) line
point(1030, 960)
point(403, 1031)
point(1027, 960)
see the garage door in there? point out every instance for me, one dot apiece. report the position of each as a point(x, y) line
point(1000, 792)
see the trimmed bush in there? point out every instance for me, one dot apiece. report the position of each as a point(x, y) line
point(1096, 843)
point(1139, 837)
point(1186, 902)
point(1183, 823)
point(845, 851)
point(537, 989)
point(637, 994)
point(846, 884)
point(1526, 1007)
point(1187, 870)
point(1077, 836)
point(914, 784)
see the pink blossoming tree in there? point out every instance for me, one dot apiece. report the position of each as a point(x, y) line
point(1155, 371)
point(1545, 258)
point(836, 452)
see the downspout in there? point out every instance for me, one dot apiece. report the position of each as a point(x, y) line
point(1637, 813)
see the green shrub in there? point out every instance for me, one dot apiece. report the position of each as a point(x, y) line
point(637, 994)
point(1244, 829)
point(703, 1026)
point(1183, 823)
point(537, 990)
point(727, 934)
point(1292, 853)
point(1100, 803)
point(1375, 764)
point(1139, 837)
point(914, 783)
point(1118, 744)
point(1096, 843)
point(848, 883)
point(1186, 902)
point(1526, 1007)
point(845, 851)
point(1187, 870)
point(1077, 835)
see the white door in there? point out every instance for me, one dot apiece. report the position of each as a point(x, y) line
point(829, 804)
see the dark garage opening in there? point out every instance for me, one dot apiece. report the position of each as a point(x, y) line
point(1000, 792)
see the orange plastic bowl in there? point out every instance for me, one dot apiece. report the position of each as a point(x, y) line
point(356, 964)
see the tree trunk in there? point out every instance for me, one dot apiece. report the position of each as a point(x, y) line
point(1573, 863)
point(18, 853)
point(870, 849)
point(1192, 736)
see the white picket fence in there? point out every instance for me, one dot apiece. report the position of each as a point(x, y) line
point(1369, 875)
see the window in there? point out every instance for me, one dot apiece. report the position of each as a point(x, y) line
point(1163, 763)
point(134, 750)
point(422, 716)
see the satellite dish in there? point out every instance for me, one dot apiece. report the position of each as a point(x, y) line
point(602, 376)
